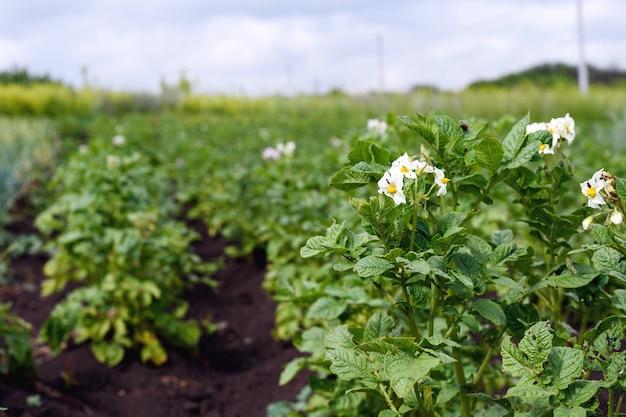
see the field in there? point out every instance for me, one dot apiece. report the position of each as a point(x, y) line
point(223, 256)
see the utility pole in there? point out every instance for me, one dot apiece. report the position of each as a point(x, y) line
point(379, 53)
point(583, 75)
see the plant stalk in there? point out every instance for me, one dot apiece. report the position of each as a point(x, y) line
point(490, 353)
point(460, 376)
point(410, 316)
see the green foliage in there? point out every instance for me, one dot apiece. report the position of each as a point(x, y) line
point(446, 297)
point(16, 351)
point(22, 76)
point(551, 74)
point(26, 155)
point(116, 235)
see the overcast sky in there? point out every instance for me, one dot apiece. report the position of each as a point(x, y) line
point(258, 47)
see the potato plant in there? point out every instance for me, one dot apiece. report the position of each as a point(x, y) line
point(462, 318)
point(16, 350)
point(116, 238)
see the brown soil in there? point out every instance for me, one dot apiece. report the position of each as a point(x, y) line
point(235, 374)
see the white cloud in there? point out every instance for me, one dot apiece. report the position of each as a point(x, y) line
point(270, 46)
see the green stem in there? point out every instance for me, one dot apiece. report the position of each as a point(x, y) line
point(420, 404)
point(618, 408)
point(385, 293)
point(583, 327)
point(556, 305)
point(490, 353)
point(494, 180)
point(433, 307)
point(390, 404)
point(410, 316)
point(414, 224)
point(460, 376)
point(611, 399)
point(452, 327)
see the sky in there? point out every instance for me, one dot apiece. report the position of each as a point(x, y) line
point(263, 47)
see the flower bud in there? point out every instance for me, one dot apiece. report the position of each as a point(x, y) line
point(616, 217)
point(587, 223)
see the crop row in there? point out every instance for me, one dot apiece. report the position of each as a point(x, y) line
point(368, 286)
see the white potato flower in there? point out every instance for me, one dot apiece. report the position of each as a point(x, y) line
point(441, 181)
point(391, 185)
point(406, 166)
point(536, 127)
point(378, 126)
point(113, 161)
point(560, 128)
point(118, 140)
point(545, 149)
point(270, 153)
point(592, 187)
point(564, 126)
point(286, 148)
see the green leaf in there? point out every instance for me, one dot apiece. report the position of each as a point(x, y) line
point(579, 392)
point(347, 179)
point(153, 352)
point(536, 345)
point(564, 365)
point(314, 246)
point(491, 311)
point(449, 221)
point(514, 140)
point(348, 364)
point(468, 265)
point(370, 152)
point(326, 308)
point(563, 411)
point(606, 259)
point(372, 266)
point(619, 299)
point(343, 266)
point(450, 131)
point(567, 279)
point(405, 370)
point(527, 391)
point(312, 340)
point(526, 154)
point(447, 393)
point(339, 336)
point(620, 187)
point(500, 237)
point(489, 154)
point(504, 252)
point(371, 168)
point(291, 369)
point(526, 361)
point(479, 248)
point(377, 326)
point(425, 127)
point(416, 266)
point(107, 353)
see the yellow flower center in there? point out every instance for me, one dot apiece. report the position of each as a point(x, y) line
point(444, 180)
point(404, 169)
point(391, 189)
point(543, 147)
point(591, 192)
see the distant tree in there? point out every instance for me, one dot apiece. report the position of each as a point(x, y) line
point(425, 88)
point(546, 75)
point(17, 75)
